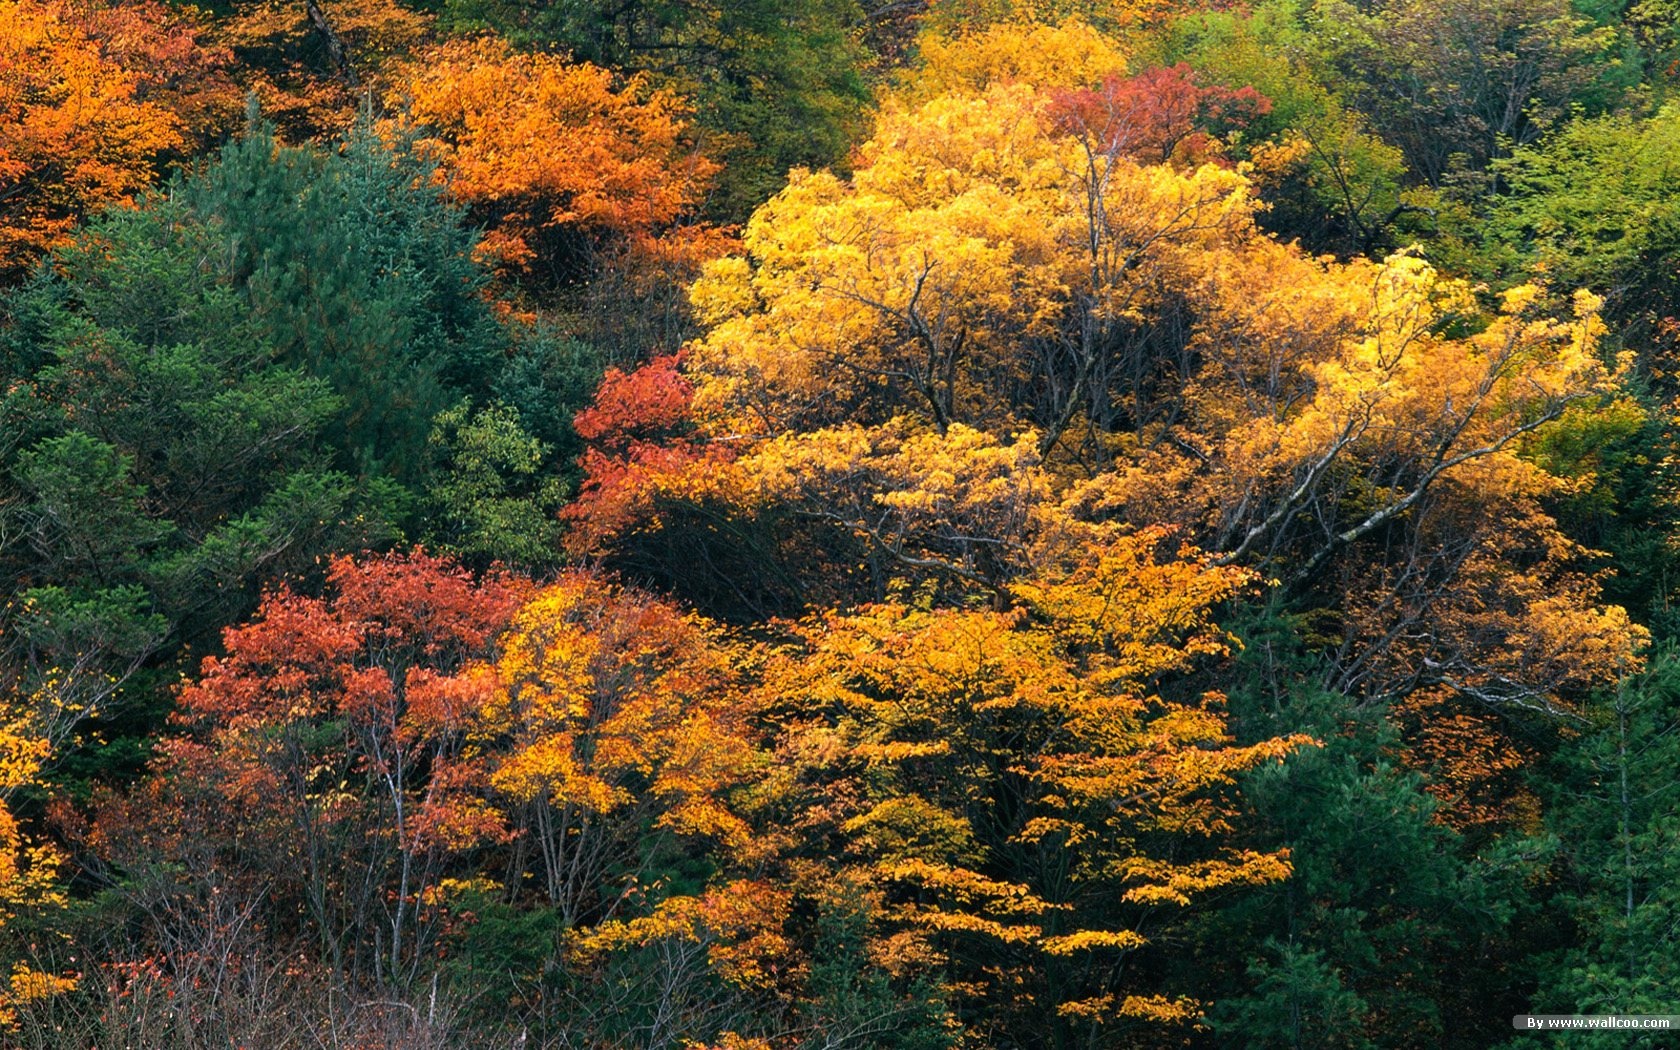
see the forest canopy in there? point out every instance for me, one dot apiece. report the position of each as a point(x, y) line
point(954, 525)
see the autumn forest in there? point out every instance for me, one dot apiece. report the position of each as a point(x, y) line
point(838, 524)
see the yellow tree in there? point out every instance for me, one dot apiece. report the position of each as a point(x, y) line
point(613, 740)
point(985, 265)
point(1370, 421)
point(618, 744)
point(28, 871)
point(971, 58)
point(1004, 328)
point(994, 269)
point(1022, 789)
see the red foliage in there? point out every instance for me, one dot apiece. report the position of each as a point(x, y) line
point(640, 431)
point(385, 673)
point(352, 651)
point(333, 748)
point(1159, 115)
point(425, 602)
point(650, 404)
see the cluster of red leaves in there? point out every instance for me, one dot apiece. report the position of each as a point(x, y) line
point(1159, 116)
point(641, 441)
point(397, 621)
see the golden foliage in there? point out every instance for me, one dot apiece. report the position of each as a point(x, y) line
point(738, 924)
point(1067, 54)
point(602, 690)
point(26, 985)
point(945, 747)
point(28, 871)
point(948, 274)
point(891, 348)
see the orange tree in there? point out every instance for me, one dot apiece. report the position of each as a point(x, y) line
point(93, 99)
point(311, 64)
point(572, 169)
